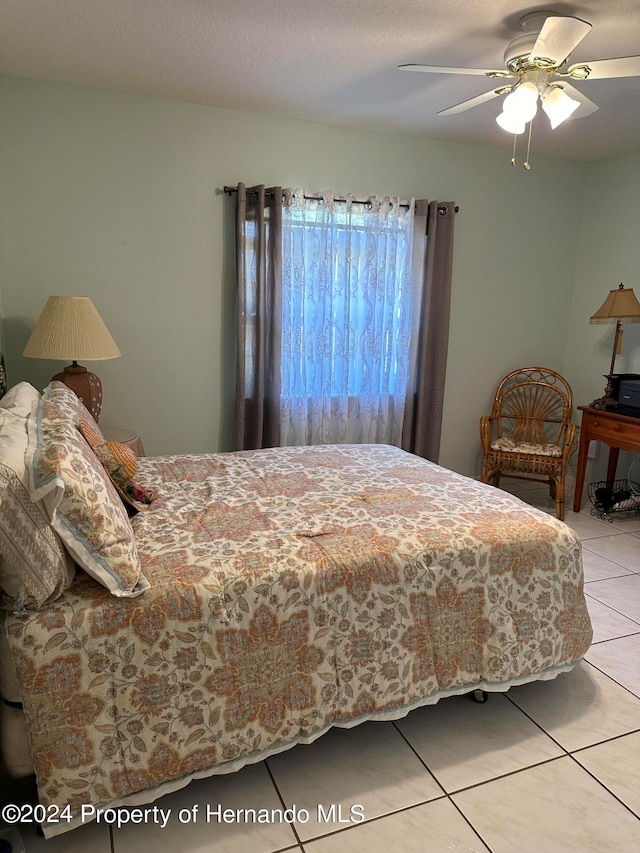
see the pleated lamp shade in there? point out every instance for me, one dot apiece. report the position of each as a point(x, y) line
point(70, 328)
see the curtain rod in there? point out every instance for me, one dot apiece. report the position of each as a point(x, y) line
point(232, 190)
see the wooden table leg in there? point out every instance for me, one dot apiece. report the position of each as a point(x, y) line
point(614, 452)
point(582, 464)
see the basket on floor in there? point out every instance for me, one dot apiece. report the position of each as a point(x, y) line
point(623, 496)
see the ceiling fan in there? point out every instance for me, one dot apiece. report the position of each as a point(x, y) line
point(537, 60)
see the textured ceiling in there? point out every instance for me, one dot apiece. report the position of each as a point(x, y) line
point(324, 60)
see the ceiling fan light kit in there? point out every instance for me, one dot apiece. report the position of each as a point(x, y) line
point(534, 59)
point(521, 106)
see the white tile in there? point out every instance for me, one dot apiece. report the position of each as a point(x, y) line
point(464, 743)
point(597, 568)
point(370, 765)
point(622, 594)
point(436, 827)
point(620, 548)
point(552, 808)
point(620, 659)
point(607, 623)
point(249, 788)
point(629, 522)
point(586, 526)
point(91, 836)
point(580, 707)
point(617, 765)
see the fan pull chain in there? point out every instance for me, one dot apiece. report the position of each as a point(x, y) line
point(513, 156)
point(527, 164)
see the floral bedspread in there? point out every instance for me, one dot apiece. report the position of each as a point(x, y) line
point(291, 590)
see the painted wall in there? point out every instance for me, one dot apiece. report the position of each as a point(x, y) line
point(608, 254)
point(119, 198)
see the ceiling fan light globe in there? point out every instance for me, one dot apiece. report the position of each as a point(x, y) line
point(510, 123)
point(558, 105)
point(522, 103)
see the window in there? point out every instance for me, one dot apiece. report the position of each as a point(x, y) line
point(347, 318)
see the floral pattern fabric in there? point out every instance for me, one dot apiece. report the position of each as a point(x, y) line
point(83, 505)
point(34, 566)
point(511, 446)
point(292, 589)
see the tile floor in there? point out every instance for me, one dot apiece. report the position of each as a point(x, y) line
point(548, 767)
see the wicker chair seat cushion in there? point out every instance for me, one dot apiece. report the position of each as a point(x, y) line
point(510, 446)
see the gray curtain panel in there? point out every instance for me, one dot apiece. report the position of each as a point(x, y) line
point(259, 274)
point(433, 260)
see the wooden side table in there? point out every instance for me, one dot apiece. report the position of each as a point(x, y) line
point(619, 432)
point(125, 436)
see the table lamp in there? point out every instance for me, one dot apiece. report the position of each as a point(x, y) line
point(70, 328)
point(620, 304)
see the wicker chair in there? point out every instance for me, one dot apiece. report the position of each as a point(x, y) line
point(529, 433)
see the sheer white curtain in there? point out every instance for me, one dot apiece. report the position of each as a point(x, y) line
point(349, 320)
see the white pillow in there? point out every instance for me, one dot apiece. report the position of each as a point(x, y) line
point(20, 399)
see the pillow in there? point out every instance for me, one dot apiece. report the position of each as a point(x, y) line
point(121, 464)
point(20, 399)
point(509, 445)
point(61, 404)
point(82, 504)
point(35, 569)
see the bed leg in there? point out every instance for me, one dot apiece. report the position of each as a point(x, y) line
point(480, 696)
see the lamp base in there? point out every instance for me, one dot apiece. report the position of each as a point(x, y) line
point(87, 386)
point(608, 401)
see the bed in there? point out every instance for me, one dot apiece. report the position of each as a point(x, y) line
point(281, 592)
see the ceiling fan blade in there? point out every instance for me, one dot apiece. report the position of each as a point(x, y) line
point(601, 69)
point(444, 69)
point(586, 106)
point(558, 37)
point(474, 102)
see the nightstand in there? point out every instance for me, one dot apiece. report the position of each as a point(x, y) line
point(125, 436)
point(620, 432)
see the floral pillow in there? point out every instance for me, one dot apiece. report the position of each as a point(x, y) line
point(510, 446)
point(81, 501)
point(61, 404)
point(35, 569)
